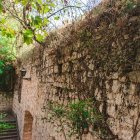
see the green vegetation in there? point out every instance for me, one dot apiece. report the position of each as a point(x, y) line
point(79, 117)
point(25, 21)
point(2, 115)
point(5, 126)
point(83, 115)
point(7, 52)
point(7, 56)
point(31, 16)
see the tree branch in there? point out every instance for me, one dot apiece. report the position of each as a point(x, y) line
point(61, 10)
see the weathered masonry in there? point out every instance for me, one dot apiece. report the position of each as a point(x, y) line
point(98, 58)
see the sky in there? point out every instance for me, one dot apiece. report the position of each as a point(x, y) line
point(91, 1)
point(73, 14)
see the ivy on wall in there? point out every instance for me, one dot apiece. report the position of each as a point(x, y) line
point(105, 46)
point(78, 118)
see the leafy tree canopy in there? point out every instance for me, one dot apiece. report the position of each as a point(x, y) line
point(7, 51)
point(27, 21)
point(32, 16)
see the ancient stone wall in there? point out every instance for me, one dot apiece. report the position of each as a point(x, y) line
point(98, 59)
point(5, 102)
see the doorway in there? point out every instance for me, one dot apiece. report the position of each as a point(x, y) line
point(28, 122)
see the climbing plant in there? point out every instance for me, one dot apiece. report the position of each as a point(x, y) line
point(82, 115)
point(102, 56)
point(77, 117)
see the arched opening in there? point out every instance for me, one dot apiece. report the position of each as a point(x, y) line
point(28, 121)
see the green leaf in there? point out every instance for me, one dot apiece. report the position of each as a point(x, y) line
point(24, 2)
point(39, 2)
point(2, 20)
point(1, 71)
point(52, 5)
point(28, 33)
point(56, 18)
point(46, 21)
point(28, 36)
point(1, 7)
point(46, 9)
point(37, 21)
point(1, 63)
point(39, 37)
point(28, 40)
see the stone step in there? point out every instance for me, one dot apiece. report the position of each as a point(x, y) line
point(9, 137)
point(11, 123)
point(8, 121)
point(8, 133)
point(9, 130)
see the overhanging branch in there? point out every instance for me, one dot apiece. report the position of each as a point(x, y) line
point(61, 10)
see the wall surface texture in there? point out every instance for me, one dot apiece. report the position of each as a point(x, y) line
point(95, 58)
point(5, 102)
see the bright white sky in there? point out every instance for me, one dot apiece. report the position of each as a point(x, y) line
point(86, 4)
point(85, 1)
point(91, 1)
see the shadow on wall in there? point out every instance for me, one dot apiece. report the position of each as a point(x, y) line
point(28, 121)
